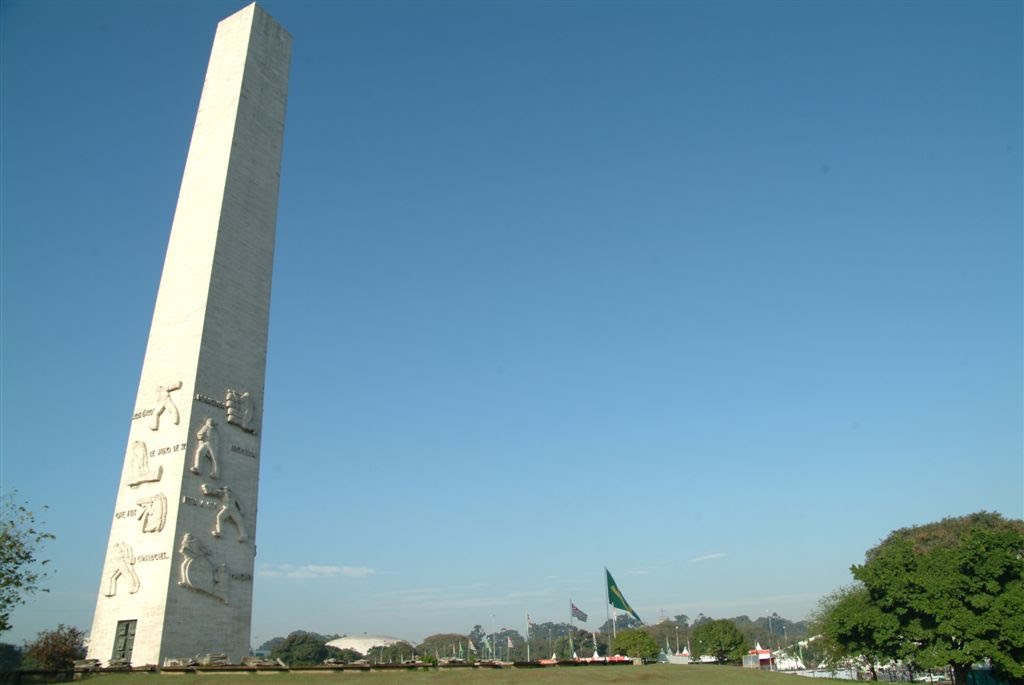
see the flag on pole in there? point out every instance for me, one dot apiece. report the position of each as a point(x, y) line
point(529, 621)
point(616, 599)
point(577, 613)
point(472, 647)
point(509, 639)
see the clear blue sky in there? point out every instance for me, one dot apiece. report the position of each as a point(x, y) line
point(714, 294)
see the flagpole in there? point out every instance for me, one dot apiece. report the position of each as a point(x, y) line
point(570, 629)
point(527, 635)
point(606, 613)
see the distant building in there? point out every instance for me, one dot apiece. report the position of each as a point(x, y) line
point(364, 643)
point(758, 657)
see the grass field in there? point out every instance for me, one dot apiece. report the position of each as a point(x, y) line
point(650, 674)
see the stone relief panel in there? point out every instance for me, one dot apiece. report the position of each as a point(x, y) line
point(230, 511)
point(207, 447)
point(142, 473)
point(240, 410)
point(153, 514)
point(198, 571)
point(124, 567)
point(164, 403)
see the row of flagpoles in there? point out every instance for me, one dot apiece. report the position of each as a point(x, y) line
point(616, 600)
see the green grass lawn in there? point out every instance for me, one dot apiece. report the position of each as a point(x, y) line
point(562, 675)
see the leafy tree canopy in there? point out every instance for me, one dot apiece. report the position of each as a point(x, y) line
point(636, 644)
point(345, 656)
point(10, 658)
point(550, 628)
point(718, 638)
point(443, 645)
point(270, 644)
point(21, 570)
point(477, 634)
point(622, 622)
point(277, 641)
point(56, 650)
point(302, 649)
point(391, 654)
point(853, 628)
point(582, 644)
point(956, 590)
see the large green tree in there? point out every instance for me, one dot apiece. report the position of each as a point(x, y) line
point(853, 629)
point(302, 649)
point(956, 590)
point(55, 650)
point(637, 644)
point(21, 570)
point(718, 638)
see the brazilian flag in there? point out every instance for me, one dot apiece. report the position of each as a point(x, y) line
point(616, 599)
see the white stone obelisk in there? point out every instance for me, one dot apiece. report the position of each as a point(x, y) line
point(177, 578)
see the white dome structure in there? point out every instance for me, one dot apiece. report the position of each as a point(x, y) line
point(364, 643)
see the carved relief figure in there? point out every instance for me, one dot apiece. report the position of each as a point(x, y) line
point(124, 565)
point(140, 461)
point(230, 510)
point(154, 513)
point(165, 403)
point(197, 570)
point(207, 447)
point(240, 410)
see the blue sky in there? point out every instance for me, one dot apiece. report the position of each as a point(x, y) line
point(714, 294)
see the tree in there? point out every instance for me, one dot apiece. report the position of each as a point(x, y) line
point(443, 645)
point(579, 642)
point(517, 652)
point(636, 644)
point(302, 649)
point(718, 638)
point(344, 656)
point(774, 630)
point(666, 633)
point(853, 628)
point(622, 622)
point(543, 637)
point(56, 650)
point(271, 644)
point(394, 653)
point(10, 658)
point(21, 570)
point(956, 590)
point(476, 635)
point(816, 652)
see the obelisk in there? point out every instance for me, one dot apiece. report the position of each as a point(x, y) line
point(178, 574)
